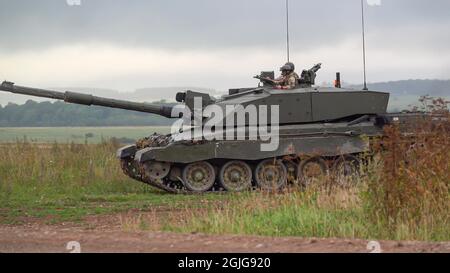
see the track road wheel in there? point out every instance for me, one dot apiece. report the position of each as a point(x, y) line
point(236, 176)
point(199, 176)
point(292, 169)
point(312, 170)
point(346, 166)
point(271, 174)
point(156, 171)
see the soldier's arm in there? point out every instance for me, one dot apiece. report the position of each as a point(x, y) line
point(279, 80)
point(292, 82)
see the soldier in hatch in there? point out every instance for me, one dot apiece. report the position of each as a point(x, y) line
point(288, 79)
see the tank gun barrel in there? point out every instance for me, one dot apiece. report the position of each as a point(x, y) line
point(86, 99)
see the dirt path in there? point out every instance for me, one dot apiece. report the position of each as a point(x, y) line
point(103, 234)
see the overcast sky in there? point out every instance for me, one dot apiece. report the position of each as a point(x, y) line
point(131, 44)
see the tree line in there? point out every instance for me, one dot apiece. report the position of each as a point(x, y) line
point(58, 114)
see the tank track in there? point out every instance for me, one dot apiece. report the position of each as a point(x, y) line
point(136, 171)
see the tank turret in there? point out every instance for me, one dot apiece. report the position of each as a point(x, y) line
point(303, 104)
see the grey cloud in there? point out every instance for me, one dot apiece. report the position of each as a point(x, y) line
point(204, 24)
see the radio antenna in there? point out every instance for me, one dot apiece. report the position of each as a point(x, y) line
point(364, 43)
point(287, 30)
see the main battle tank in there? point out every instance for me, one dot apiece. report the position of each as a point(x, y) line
point(314, 130)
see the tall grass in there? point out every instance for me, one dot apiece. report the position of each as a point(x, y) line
point(342, 213)
point(63, 168)
point(410, 192)
point(66, 182)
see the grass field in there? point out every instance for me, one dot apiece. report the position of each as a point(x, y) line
point(57, 183)
point(402, 194)
point(66, 182)
point(77, 134)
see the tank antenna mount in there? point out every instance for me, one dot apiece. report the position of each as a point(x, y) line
point(364, 43)
point(287, 30)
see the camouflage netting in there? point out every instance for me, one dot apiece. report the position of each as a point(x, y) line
point(155, 140)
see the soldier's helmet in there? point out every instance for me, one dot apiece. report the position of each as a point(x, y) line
point(288, 67)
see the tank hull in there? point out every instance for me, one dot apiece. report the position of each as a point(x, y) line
point(324, 144)
point(295, 143)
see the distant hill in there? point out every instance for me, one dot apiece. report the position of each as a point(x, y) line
point(412, 87)
point(43, 114)
point(406, 93)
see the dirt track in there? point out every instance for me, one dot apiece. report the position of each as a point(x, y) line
point(99, 236)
